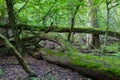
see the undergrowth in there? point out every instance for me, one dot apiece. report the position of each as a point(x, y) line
point(1, 71)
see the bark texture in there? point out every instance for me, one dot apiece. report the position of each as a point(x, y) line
point(93, 39)
point(13, 25)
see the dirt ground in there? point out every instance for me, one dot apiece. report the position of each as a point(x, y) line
point(45, 71)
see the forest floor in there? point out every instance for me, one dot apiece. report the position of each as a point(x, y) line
point(45, 71)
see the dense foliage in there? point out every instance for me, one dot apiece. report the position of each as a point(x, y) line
point(60, 11)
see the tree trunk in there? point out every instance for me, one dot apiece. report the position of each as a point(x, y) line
point(62, 29)
point(95, 67)
point(22, 62)
point(73, 21)
point(13, 24)
point(93, 39)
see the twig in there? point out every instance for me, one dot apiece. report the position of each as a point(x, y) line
point(114, 6)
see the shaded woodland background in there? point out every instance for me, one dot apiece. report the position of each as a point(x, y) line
point(82, 35)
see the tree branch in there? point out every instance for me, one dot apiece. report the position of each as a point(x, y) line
point(22, 6)
point(114, 6)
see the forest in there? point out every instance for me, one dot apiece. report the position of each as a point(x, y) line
point(59, 39)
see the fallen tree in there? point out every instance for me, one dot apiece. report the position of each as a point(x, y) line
point(63, 29)
point(22, 62)
point(53, 37)
point(57, 38)
point(95, 67)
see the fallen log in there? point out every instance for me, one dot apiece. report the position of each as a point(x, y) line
point(63, 29)
point(53, 37)
point(57, 38)
point(86, 30)
point(22, 62)
point(95, 67)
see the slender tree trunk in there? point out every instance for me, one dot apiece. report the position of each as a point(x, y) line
point(107, 24)
point(13, 24)
point(73, 22)
point(70, 13)
point(93, 39)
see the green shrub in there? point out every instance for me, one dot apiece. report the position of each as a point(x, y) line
point(1, 71)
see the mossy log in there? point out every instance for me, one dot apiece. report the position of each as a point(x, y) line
point(53, 37)
point(95, 67)
point(57, 38)
point(22, 62)
point(86, 30)
point(63, 29)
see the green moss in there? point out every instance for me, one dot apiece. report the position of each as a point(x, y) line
point(1, 71)
point(102, 64)
point(112, 47)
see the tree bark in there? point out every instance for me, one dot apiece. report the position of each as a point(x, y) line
point(22, 62)
point(93, 39)
point(73, 21)
point(13, 25)
point(95, 67)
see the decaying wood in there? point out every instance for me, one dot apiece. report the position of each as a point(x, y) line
point(86, 67)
